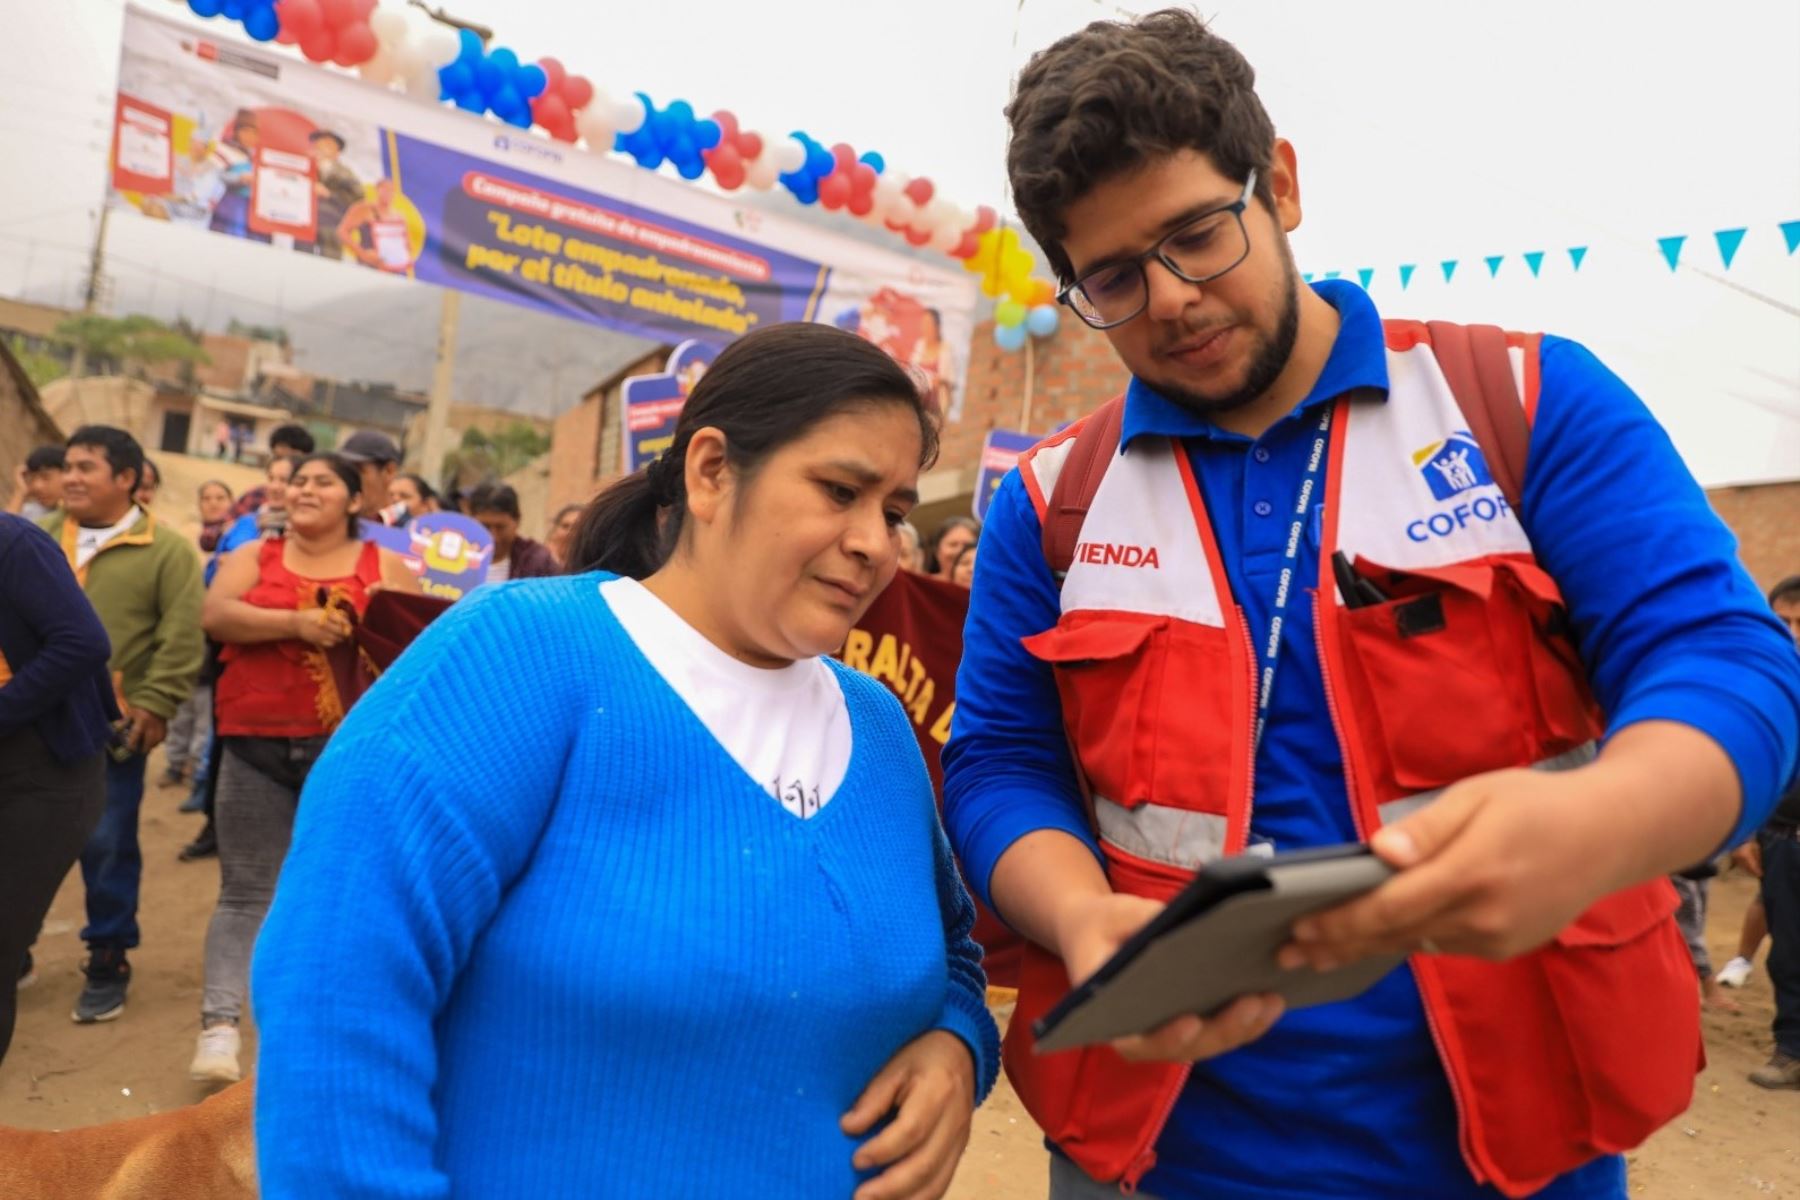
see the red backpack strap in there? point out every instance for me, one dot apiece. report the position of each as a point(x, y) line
point(1478, 367)
point(1067, 509)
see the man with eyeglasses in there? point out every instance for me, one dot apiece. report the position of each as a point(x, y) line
point(1308, 604)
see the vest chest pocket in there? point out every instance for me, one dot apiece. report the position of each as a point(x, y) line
point(1150, 705)
point(1463, 670)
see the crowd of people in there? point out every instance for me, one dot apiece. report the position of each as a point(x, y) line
point(700, 868)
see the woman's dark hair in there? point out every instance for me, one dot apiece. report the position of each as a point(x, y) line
point(427, 493)
point(1114, 96)
point(492, 496)
point(292, 437)
point(764, 391)
point(345, 470)
point(932, 565)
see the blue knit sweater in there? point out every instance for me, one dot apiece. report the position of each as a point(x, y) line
point(538, 935)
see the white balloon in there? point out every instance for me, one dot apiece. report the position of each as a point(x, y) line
point(594, 127)
point(440, 47)
point(378, 70)
point(789, 155)
point(627, 116)
point(945, 238)
point(408, 58)
point(762, 174)
point(389, 24)
point(422, 85)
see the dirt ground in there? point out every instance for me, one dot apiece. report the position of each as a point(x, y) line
point(1736, 1140)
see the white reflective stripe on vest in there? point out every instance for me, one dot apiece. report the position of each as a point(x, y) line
point(1580, 756)
point(1175, 837)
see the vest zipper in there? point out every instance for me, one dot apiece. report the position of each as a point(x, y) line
point(1362, 831)
point(1145, 1158)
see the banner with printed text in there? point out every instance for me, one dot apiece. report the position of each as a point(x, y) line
point(254, 144)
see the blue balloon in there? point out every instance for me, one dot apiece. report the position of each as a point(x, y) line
point(1009, 337)
point(262, 23)
point(875, 161)
point(650, 160)
point(233, 10)
point(707, 134)
point(522, 119)
point(489, 77)
point(691, 168)
point(1042, 320)
point(819, 161)
point(682, 111)
point(206, 8)
point(469, 48)
point(505, 59)
point(456, 79)
point(531, 81)
point(663, 127)
point(506, 102)
point(471, 101)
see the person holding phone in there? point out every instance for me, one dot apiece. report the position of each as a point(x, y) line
point(1526, 714)
point(618, 871)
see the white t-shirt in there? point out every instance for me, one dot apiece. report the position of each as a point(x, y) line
point(499, 570)
point(89, 541)
point(787, 727)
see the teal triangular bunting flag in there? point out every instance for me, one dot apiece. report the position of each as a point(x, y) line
point(1535, 260)
point(1671, 248)
point(1307, 275)
point(1366, 274)
point(1406, 272)
point(1576, 254)
point(1449, 265)
point(1729, 240)
point(1791, 231)
point(1332, 274)
point(1493, 262)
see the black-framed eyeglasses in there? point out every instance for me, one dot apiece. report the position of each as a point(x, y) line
point(1200, 251)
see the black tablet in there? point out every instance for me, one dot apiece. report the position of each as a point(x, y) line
point(1216, 941)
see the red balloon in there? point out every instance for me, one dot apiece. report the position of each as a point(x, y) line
point(727, 122)
point(861, 204)
point(356, 44)
point(967, 248)
point(845, 154)
point(364, 8)
point(985, 218)
point(554, 74)
point(319, 45)
point(550, 111)
point(287, 37)
point(919, 190)
point(337, 12)
point(862, 178)
point(918, 237)
point(750, 145)
point(834, 190)
point(577, 92)
point(895, 226)
point(300, 17)
point(723, 159)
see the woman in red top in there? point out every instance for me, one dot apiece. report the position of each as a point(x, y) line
point(277, 604)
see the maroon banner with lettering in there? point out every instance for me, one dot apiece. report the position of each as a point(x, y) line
point(911, 640)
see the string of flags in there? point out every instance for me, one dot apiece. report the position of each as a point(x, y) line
point(1726, 241)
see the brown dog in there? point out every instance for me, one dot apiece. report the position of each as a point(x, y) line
point(206, 1151)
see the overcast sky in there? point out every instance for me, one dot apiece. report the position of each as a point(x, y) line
point(1426, 131)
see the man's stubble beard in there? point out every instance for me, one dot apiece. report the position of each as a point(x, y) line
point(1270, 359)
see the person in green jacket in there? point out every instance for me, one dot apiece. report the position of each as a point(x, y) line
point(144, 581)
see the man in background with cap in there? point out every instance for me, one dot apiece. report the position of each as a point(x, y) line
point(377, 457)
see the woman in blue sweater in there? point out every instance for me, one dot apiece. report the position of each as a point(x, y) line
point(613, 885)
point(56, 713)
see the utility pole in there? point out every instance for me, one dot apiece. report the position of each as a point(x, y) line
point(437, 416)
point(90, 302)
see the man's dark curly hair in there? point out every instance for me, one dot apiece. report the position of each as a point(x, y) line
point(1115, 96)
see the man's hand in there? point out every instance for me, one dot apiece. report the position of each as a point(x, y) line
point(929, 1087)
point(1748, 857)
point(1500, 863)
point(147, 730)
point(321, 627)
point(1092, 931)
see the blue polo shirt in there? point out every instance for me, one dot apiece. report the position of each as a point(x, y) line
point(1349, 1099)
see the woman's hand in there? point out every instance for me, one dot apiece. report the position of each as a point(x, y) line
point(929, 1086)
point(321, 627)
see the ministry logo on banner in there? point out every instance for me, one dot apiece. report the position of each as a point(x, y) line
point(1453, 466)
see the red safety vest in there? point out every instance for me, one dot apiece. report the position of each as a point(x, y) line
point(1578, 1049)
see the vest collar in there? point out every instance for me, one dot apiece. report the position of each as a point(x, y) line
point(1358, 360)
